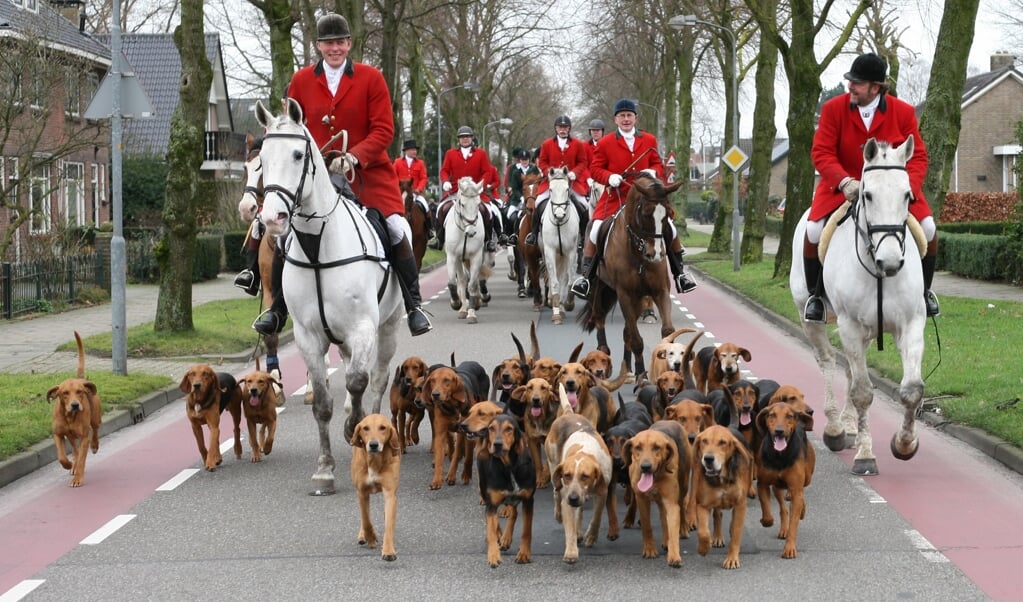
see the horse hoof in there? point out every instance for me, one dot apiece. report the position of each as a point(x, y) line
point(865, 468)
point(522, 293)
point(322, 486)
point(456, 305)
point(471, 320)
point(536, 306)
point(462, 314)
point(900, 455)
point(835, 443)
point(648, 317)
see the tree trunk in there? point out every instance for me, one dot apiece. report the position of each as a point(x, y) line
point(184, 159)
point(764, 132)
point(942, 116)
point(280, 17)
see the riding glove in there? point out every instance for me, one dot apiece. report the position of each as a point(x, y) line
point(650, 172)
point(571, 176)
point(850, 188)
point(446, 186)
point(614, 180)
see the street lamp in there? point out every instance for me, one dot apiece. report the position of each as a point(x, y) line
point(501, 121)
point(682, 21)
point(466, 86)
point(657, 124)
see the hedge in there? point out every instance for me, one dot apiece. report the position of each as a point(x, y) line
point(978, 256)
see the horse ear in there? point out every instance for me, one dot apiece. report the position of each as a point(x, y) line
point(870, 149)
point(907, 147)
point(263, 115)
point(295, 111)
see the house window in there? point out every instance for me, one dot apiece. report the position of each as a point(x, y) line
point(32, 5)
point(73, 94)
point(37, 91)
point(9, 181)
point(40, 199)
point(74, 193)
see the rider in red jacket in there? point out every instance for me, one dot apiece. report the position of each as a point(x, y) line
point(846, 123)
point(339, 94)
point(624, 151)
point(562, 151)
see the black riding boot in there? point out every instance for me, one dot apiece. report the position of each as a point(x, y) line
point(537, 215)
point(272, 321)
point(812, 271)
point(930, 299)
point(437, 242)
point(408, 277)
point(683, 283)
point(248, 279)
point(581, 286)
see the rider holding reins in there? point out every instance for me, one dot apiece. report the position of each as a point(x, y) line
point(625, 151)
point(466, 160)
point(562, 151)
point(339, 94)
point(847, 122)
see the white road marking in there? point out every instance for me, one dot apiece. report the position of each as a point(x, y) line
point(872, 496)
point(107, 530)
point(21, 590)
point(929, 552)
point(178, 479)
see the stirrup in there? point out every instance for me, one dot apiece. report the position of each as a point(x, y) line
point(684, 284)
point(531, 239)
point(246, 281)
point(512, 240)
point(268, 323)
point(581, 288)
point(418, 321)
point(813, 311)
point(491, 246)
point(931, 303)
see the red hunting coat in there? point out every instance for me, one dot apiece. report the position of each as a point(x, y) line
point(614, 157)
point(574, 157)
point(416, 173)
point(362, 106)
point(837, 150)
point(476, 166)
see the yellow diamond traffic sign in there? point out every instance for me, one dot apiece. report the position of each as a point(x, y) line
point(735, 158)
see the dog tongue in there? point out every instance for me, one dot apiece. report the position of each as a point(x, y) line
point(646, 481)
point(254, 400)
point(535, 412)
point(744, 418)
point(780, 443)
point(573, 398)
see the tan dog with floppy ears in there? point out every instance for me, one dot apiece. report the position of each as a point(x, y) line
point(207, 395)
point(260, 400)
point(76, 419)
point(376, 468)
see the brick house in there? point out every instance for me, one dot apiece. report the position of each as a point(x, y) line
point(53, 161)
point(987, 150)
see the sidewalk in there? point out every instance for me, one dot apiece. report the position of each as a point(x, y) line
point(28, 345)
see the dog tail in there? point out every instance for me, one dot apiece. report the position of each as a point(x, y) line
point(624, 376)
point(687, 357)
point(566, 406)
point(534, 342)
point(81, 356)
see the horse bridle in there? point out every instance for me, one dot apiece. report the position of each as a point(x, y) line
point(293, 200)
point(637, 236)
point(898, 231)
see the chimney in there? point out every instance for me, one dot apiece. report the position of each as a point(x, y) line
point(72, 10)
point(1002, 59)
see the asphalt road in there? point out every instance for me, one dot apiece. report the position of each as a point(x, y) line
point(945, 526)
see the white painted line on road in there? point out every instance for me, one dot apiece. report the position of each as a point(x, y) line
point(872, 496)
point(923, 546)
point(21, 590)
point(710, 335)
point(107, 530)
point(227, 446)
point(178, 479)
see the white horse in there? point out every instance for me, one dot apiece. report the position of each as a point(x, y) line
point(335, 282)
point(559, 237)
point(873, 282)
point(464, 231)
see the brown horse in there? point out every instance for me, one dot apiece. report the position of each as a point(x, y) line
point(416, 216)
point(527, 257)
point(633, 266)
point(249, 207)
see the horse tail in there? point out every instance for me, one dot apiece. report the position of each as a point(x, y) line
point(584, 317)
point(600, 303)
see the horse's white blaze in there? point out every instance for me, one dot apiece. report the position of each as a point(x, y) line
point(852, 275)
point(660, 214)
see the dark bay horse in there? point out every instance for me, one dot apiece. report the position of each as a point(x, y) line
point(416, 216)
point(527, 257)
point(633, 265)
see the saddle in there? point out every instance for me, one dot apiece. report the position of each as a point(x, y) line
point(839, 215)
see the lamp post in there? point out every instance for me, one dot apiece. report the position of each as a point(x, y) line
point(501, 121)
point(682, 21)
point(657, 124)
point(466, 86)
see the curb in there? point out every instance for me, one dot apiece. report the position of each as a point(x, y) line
point(998, 449)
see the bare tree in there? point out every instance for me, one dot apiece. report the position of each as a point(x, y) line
point(184, 158)
point(942, 116)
